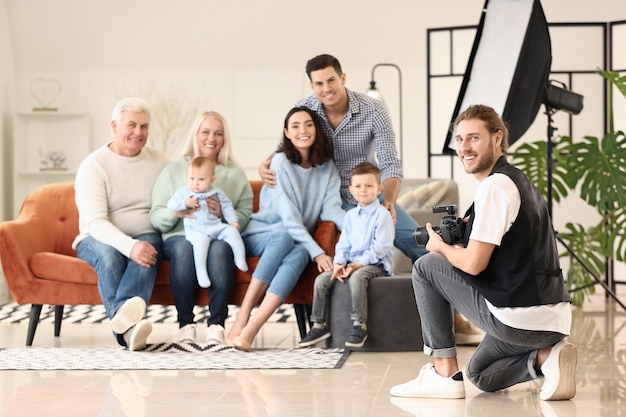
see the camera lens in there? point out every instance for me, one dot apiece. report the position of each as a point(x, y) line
point(420, 236)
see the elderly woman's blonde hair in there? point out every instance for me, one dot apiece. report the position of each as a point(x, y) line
point(191, 150)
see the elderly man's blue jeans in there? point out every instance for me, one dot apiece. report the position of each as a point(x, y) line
point(119, 277)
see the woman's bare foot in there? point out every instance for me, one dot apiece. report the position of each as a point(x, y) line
point(236, 329)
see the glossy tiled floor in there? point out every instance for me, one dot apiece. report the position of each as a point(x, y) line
point(359, 388)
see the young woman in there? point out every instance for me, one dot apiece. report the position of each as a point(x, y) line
point(307, 190)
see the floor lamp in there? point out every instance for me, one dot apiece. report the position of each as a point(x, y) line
point(375, 94)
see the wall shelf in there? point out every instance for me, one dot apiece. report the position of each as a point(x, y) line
point(37, 134)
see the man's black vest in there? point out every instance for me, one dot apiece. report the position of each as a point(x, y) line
point(524, 270)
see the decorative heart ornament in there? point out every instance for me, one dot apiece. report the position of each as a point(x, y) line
point(45, 91)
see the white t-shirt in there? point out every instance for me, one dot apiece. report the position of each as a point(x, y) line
point(495, 195)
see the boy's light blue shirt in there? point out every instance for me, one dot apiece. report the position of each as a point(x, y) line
point(367, 237)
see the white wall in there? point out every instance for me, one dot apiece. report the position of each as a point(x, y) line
point(245, 59)
point(7, 97)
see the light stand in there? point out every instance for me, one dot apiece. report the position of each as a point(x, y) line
point(550, 110)
point(375, 94)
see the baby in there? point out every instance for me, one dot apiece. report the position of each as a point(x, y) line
point(202, 226)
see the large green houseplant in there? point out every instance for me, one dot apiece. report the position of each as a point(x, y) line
point(597, 167)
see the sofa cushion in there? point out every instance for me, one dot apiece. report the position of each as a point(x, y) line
point(425, 196)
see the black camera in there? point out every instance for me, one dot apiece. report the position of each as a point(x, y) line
point(451, 228)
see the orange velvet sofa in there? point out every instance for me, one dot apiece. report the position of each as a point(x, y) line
point(41, 267)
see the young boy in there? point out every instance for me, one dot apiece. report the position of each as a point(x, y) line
point(204, 226)
point(364, 251)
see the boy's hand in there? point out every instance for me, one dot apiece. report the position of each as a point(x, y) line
point(235, 225)
point(339, 273)
point(351, 268)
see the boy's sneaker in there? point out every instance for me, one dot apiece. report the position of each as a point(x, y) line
point(357, 337)
point(560, 373)
point(429, 384)
point(314, 336)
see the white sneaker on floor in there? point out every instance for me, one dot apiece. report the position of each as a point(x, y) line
point(139, 335)
point(128, 315)
point(429, 384)
point(560, 373)
point(466, 334)
point(215, 335)
point(186, 334)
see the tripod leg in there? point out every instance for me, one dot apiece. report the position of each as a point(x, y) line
point(608, 290)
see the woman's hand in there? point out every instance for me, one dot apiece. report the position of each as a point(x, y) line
point(215, 208)
point(324, 263)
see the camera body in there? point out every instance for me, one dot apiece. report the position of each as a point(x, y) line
point(451, 228)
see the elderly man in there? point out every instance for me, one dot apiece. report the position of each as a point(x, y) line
point(113, 195)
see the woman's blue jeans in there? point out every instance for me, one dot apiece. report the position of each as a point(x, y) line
point(282, 260)
point(120, 278)
point(184, 284)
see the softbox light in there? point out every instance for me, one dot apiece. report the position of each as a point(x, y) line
point(509, 65)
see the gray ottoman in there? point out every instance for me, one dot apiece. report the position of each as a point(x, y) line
point(393, 323)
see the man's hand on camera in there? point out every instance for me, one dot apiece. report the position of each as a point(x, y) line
point(434, 239)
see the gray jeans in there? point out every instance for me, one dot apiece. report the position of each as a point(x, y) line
point(504, 358)
point(358, 281)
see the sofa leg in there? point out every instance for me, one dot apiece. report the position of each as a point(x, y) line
point(33, 321)
point(58, 319)
point(303, 314)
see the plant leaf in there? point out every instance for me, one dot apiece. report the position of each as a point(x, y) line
point(600, 166)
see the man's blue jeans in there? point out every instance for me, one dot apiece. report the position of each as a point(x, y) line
point(221, 268)
point(119, 277)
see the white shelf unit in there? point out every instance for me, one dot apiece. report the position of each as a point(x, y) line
point(37, 133)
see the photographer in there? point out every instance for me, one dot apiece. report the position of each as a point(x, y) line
point(505, 278)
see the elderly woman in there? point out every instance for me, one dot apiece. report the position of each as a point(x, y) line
point(208, 137)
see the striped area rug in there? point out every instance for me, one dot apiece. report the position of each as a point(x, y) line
point(170, 356)
point(15, 313)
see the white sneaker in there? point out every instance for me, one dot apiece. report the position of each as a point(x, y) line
point(128, 315)
point(429, 384)
point(215, 335)
point(139, 335)
point(186, 334)
point(560, 373)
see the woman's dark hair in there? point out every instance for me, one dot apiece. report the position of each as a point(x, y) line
point(321, 150)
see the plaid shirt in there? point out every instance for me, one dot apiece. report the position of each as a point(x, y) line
point(364, 134)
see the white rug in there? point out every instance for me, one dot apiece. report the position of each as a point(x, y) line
point(170, 356)
point(13, 313)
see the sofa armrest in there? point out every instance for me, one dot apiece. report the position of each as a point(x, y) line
point(326, 235)
point(19, 241)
